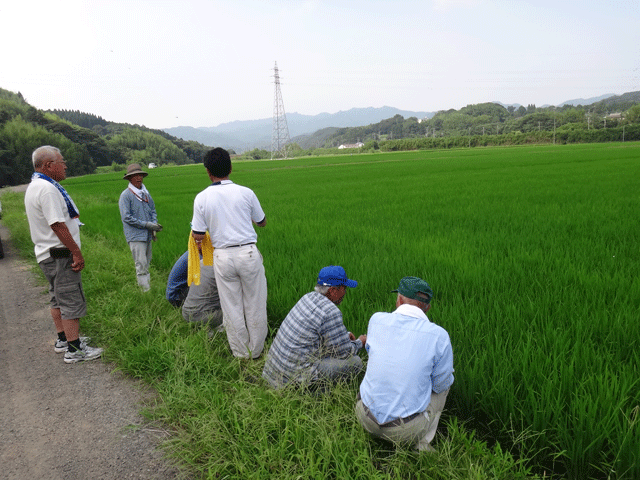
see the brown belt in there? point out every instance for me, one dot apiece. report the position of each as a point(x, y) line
point(392, 423)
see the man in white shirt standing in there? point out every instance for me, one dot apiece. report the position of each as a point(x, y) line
point(409, 370)
point(228, 211)
point(55, 230)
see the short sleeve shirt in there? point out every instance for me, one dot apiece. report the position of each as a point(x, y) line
point(45, 206)
point(226, 211)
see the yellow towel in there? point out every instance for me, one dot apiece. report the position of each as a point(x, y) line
point(193, 269)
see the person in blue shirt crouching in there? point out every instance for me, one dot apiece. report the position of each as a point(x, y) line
point(177, 286)
point(409, 370)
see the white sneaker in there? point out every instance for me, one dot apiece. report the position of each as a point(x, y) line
point(85, 353)
point(61, 347)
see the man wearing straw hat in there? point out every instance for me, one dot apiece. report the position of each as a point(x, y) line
point(409, 370)
point(140, 222)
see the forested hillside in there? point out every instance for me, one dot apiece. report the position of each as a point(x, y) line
point(86, 141)
point(567, 124)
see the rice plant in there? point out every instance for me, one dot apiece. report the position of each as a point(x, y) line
point(532, 255)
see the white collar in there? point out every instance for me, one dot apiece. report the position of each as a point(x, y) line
point(221, 182)
point(411, 311)
point(141, 194)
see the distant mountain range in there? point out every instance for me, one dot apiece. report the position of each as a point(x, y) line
point(586, 101)
point(576, 102)
point(249, 134)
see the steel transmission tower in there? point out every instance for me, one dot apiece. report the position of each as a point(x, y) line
point(280, 136)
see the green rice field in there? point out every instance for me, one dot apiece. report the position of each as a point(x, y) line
point(533, 254)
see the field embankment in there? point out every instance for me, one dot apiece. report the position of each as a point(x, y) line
point(532, 255)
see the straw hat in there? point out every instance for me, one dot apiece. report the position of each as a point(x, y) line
point(134, 169)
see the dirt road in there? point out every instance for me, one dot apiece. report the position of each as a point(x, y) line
point(60, 421)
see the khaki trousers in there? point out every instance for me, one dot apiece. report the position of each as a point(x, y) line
point(242, 287)
point(141, 252)
point(417, 432)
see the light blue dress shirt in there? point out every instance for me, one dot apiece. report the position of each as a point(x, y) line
point(409, 357)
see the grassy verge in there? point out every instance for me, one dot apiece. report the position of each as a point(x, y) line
point(226, 422)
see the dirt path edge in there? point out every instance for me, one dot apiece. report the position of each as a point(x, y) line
point(60, 421)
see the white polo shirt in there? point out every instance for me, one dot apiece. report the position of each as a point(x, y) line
point(226, 211)
point(45, 206)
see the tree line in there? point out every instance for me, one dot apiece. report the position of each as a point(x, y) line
point(86, 140)
point(494, 119)
point(473, 126)
point(630, 132)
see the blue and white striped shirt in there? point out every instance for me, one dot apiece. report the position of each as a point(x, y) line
point(312, 330)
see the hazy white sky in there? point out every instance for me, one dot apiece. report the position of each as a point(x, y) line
point(205, 62)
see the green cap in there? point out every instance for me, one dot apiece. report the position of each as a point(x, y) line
point(415, 288)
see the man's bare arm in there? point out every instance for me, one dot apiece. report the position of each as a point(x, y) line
point(62, 232)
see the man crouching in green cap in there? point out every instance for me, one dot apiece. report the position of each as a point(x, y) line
point(409, 371)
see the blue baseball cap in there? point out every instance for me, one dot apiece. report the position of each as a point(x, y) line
point(335, 276)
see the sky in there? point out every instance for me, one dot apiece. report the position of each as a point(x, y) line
point(201, 63)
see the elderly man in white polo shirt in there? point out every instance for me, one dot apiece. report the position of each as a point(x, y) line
point(228, 211)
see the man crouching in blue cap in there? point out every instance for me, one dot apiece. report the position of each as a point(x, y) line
point(312, 345)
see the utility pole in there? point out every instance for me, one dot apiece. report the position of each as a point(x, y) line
point(280, 135)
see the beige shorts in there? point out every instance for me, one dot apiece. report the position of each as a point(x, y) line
point(65, 287)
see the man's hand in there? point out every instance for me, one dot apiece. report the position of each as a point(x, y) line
point(78, 261)
point(363, 339)
point(62, 232)
point(154, 227)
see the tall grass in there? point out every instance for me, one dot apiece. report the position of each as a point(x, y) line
point(532, 255)
point(227, 423)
